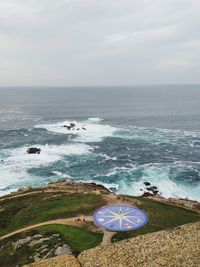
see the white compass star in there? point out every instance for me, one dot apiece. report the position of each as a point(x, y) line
point(120, 216)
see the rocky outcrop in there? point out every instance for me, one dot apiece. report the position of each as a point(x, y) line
point(149, 190)
point(178, 247)
point(78, 186)
point(73, 126)
point(70, 126)
point(61, 250)
point(33, 150)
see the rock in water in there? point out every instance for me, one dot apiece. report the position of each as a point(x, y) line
point(33, 150)
point(113, 189)
point(147, 183)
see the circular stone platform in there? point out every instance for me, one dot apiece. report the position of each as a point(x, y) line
point(120, 218)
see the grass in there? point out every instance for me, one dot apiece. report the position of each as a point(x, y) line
point(161, 216)
point(31, 209)
point(78, 239)
point(39, 207)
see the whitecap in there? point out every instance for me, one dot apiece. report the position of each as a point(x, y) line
point(95, 119)
point(85, 131)
point(106, 157)
point(158, 174)
point(14, 168)
point(62, 175)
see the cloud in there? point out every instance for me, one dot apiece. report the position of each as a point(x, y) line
point(90, 42)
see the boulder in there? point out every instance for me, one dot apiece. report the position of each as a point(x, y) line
point(152, 188)
point(149, 189)
point(113, 189)
point(33, 150)
point(61, 250)
point(155, 192)
point(69, 127)
point(147, 183)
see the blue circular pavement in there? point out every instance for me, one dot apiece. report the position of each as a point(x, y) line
point(120, 218)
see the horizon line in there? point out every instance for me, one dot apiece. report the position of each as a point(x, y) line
point(82, 86)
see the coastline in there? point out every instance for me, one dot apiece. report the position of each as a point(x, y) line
point(86, 187)
point(62, 212)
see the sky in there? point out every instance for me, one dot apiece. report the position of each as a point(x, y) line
point(99, 42)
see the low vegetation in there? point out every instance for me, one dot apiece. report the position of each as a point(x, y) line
point(49, 239)
point(36, 207)
point(161, 216)
point(31, 209)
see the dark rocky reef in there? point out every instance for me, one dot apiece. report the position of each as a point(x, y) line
point(33, 150)
point(151, 190)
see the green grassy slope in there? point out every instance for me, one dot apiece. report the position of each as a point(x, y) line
point(31, 209)
point(35, 208)
point(161, 216)
point(78, 239)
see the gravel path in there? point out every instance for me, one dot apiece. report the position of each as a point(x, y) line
point(179, 247)
point(67, 221)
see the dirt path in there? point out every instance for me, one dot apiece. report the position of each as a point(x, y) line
point(81, 220)
point(73, 221)
point(16, 195)
point(107, 237)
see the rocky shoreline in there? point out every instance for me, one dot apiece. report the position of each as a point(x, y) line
point(81, 187)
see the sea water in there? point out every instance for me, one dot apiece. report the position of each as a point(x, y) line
point(123, 137)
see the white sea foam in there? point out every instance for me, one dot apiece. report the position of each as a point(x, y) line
point(117, 170)
point(159, 176)
point(106, 185)
point(85, 131)
point(95, 119)
point(17, 162)
point(157, 135)
point(62, 175)
point(106, 157)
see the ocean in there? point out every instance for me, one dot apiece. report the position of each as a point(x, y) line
point(123, 137)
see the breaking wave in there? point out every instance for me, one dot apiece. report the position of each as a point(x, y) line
point(92, 150)
point(83, 131)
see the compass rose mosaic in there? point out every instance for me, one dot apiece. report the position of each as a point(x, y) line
point(120, 218)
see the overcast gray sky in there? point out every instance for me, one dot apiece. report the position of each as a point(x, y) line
point(99, 42)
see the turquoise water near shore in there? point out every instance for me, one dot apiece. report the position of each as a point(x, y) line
point(132, 135)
